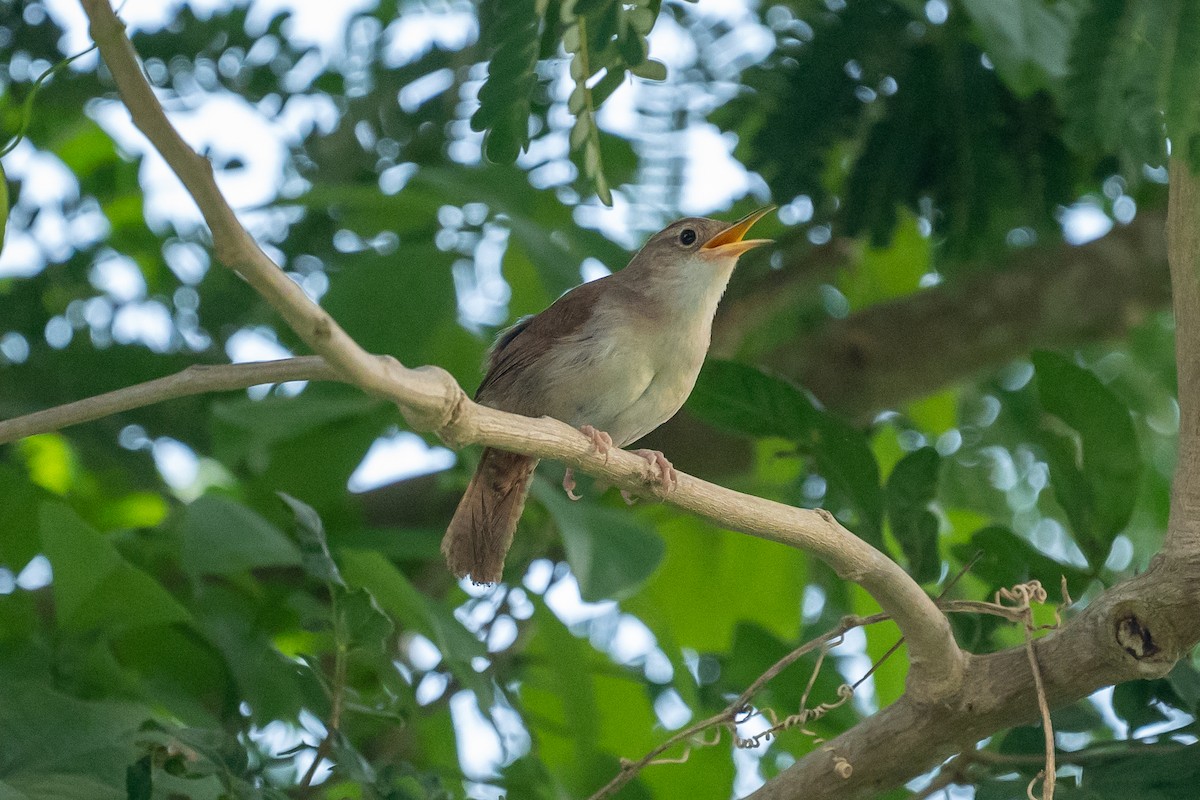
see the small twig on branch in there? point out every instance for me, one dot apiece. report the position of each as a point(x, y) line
point(1118, 749)
point(196, 379)
point(337, 693)
point(1024, 595)
point(729, 716)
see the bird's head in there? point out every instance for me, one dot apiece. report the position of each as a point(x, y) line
point(687, 264)
point(695, 242)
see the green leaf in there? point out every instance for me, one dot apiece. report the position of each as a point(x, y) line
point(59, 747)
point(247, 429)
point(611, 551)
point(742, 399)
point(677, 602)
point(387, 302)
point(651, 69)
point(1136, 702)
point(1008, 560)
point(19, 501)
point(279, 439)
point(238, 625)
point(1111, 463)
point(1145, 774)
point(364, 624)
point(397, 596)
point(1185, 682)
point(910, 489)
point(95, 588)
point(583, 715)
point(314, 545)
point(1112, 94)
point(58, 786)
point(223, 537)
point(1027, 40)
point(504, 99)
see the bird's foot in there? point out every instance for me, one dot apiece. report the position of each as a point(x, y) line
point(668, 479)
point(569, 484)
point(600, 440)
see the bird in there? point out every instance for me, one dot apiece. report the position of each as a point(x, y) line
point(615, 357)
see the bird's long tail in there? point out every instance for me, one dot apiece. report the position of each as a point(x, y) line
point(481, 531)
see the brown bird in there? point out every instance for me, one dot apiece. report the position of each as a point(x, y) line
point(616, 357)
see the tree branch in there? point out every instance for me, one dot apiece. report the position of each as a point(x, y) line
point(1183, 246)
point(196, 379)
point(432, 400)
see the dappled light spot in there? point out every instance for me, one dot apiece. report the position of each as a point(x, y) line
point(395, 457)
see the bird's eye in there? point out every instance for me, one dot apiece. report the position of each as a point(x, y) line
point(688, 236)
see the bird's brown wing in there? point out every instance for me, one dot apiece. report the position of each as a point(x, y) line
point(512, 359)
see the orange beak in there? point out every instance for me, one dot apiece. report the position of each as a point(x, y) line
point(729, 242)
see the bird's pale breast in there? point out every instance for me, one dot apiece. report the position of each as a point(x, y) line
point(622, 377)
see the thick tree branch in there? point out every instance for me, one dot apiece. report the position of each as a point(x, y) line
point(1137, 629)
point(432, 400)
point(1183, 236)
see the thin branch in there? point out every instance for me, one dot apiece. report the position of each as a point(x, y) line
point(1047, 728)
point(337, 692)
point(232, 243)
point(728, 716)
point(957, 770)
point(196, 379)
point(741, 705)
point(1121, 749)
point(432, 400)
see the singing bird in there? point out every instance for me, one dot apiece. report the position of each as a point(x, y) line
point(616, 358)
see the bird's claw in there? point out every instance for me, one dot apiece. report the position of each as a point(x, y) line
point(668, 478)
point(600, 440)
point(569, 484)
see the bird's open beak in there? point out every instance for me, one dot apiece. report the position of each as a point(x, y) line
point(730, 241)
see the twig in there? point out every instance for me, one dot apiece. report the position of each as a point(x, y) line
point(728, 717)
point(1118, 749)
point(1021, 597)
point(952, 772)
point(1047, 728)
point(337, 693)
point(27, 108)
point(196, 379)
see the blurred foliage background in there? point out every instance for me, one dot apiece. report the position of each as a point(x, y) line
point(961, 345)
